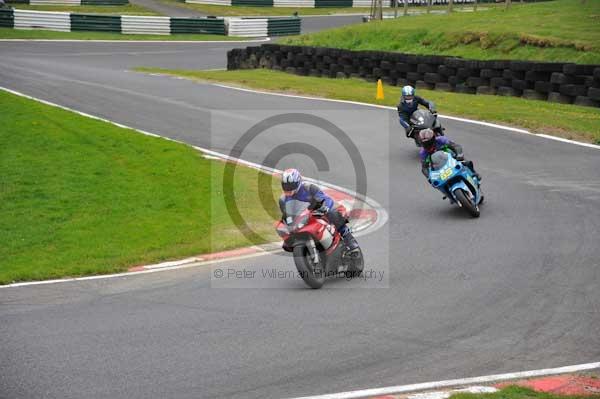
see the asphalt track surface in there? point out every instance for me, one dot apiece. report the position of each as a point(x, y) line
point(514, 290)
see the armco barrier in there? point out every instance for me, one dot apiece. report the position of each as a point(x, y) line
point(295, 3)
point(215, 26)
point(366, 3)
point(26, 19)
point(253, 3)
point(262, 27)
point(284, 26)
point(97, 23)
point(104, 2)
point(333, 3)
point(551, 81)
point(134, 24)
point(213, 2)
point(252, 27)
point(324, 3)
point(71, 2)
point(7, 19)
point(55, 2)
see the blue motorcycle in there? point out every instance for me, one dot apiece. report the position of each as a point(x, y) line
point(456, 181)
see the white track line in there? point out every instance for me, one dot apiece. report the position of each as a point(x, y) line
point(450, 383)
point(156, 270)
point(382, 215)
point(488, 124)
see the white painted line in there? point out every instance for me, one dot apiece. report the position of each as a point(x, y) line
point(382, 215)
point(136, 41)
point(568, 141)
point(449, 383)
point(156, 270)
point(488, 124)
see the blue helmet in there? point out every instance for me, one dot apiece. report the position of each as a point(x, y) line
point(291, 180)
point(408, 93)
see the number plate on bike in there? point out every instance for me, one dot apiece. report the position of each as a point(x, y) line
point(446, 173)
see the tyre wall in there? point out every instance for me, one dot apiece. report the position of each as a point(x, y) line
point(566, 83)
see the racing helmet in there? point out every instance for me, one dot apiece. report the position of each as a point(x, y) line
point(290, 181)
point(408, 94)
point(427, 138)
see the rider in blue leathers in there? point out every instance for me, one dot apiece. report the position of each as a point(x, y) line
point(409, 103)
point(432, 143)
point(295, 189)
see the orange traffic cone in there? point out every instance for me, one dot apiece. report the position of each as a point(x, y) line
point(379, 90)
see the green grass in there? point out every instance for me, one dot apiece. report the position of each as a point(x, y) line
point(129, 9)
point(560, 30)
point(516, 392)
point(8, 33)
point(80, 196)
point(570, 121)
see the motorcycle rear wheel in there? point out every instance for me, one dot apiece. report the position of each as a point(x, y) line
point(466, 203)
point(305, 265)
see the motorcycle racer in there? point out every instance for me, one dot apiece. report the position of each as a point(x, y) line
point(295, 189)
point(409, 103)
point(432, 143)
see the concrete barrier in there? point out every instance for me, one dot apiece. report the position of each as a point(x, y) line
point(248, 27)
point(132, 24)
point(127, 24)
point(26, 19)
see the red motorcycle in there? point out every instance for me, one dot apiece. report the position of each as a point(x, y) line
point(318, 248)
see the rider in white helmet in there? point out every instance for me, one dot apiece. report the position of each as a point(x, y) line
point(409, 102)
point(295, 189)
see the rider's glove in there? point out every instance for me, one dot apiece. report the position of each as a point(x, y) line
point(460, 157)
point(324, 209)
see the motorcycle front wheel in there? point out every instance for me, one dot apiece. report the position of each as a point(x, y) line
point(305, 266)
point(466, 202)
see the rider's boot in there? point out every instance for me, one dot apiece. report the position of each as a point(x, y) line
point(349, 239)
point(470, 165)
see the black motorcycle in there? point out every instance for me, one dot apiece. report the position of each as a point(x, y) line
point(423, 119)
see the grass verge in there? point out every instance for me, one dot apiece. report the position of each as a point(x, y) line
point(80, 196)
point(569, 121)
point(516, 392)
point(533, 31)
point(8, 33)
point(129, 9)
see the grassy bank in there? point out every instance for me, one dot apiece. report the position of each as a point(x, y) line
point(80, 196)
point(129, 9)
point(8, 33)
point(560, 30)
point(570, 121)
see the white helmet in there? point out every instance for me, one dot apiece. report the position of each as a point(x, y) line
point(291, 180)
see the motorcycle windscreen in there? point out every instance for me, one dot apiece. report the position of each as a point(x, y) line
point(422, 119)
point(293, 208)
point(438, 160)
